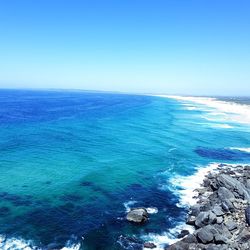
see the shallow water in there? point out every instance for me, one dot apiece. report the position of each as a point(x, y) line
point(71, 161)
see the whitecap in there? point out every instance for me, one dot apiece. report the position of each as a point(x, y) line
point(247, 150)
point(152, 210)
point(21, 244)
point(170, 237)
point(185, 186)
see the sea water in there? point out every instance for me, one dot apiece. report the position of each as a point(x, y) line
point(73, 163)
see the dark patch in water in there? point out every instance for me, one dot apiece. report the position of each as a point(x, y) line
point(99, 223)
point(16, 200)
point(48, 182)
point(221, 154)
point(86, 184)
point(4, 211)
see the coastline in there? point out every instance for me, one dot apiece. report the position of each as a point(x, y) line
point(221, 215)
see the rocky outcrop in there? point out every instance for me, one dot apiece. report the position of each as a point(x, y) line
point(137, 215)
point(221, 217)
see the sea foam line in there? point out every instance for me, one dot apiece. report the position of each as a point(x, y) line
point(185, 186)
point(21, 244)
point(235, 112)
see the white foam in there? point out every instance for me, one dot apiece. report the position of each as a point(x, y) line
point(14, 244)
point(152, 210)
point(185, 186)
point(234, 112)
point(170, 237)
point(247, 150)
point(21, 244)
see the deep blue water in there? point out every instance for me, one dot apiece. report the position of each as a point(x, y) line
point(70, 160)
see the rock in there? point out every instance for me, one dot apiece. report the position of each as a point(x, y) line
point(227, 206)
point(218, 211)
point(231, 225)
point(183, 233)
point(220, 220)
point(244, 236)
point(195, 210)
point(226, 181)
point(191, 220)
point(190, 239)
point(149, 245)
point(205, 218)
point(247, 215)
point(137, 215)
point(178, 246)
point(220, 239)
point(205, 235)
point(225, 194)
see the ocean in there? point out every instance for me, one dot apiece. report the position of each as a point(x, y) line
point(73, 163)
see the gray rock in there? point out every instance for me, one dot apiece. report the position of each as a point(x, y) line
point(149, 245)
point(218, 211)
point(228, 206)
point(205, 235)
point(231, 225)
point(205, 218)
point(220, 239)
point(247, 215)
point(195, 210)
point(183, 233)
point(227, 181)
point(191, 220)
point(223, 230)
point(219, 220)
point(244, 236)
point(179, 246)
point(225, 194)
point(190, 239)
point(137, 215)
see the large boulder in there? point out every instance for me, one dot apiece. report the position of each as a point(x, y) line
point(233, 185)
point(205, 218)
point(137, 215)
point(205, 235)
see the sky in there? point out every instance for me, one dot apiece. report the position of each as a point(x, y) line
point(191, 47)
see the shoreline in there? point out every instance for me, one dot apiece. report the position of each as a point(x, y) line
point(218, 217)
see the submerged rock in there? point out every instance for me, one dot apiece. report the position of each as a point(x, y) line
point(137, 215)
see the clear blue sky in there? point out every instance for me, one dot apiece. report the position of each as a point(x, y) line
point(160, 46)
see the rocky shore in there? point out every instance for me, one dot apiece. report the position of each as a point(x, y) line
point(221, 216)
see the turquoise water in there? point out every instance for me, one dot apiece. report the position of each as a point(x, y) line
point(71, 160)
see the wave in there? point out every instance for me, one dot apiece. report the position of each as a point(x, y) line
point(247, 150)
point(21, 244)
point(160, 240)
point(185, 186)
point(234, 112)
